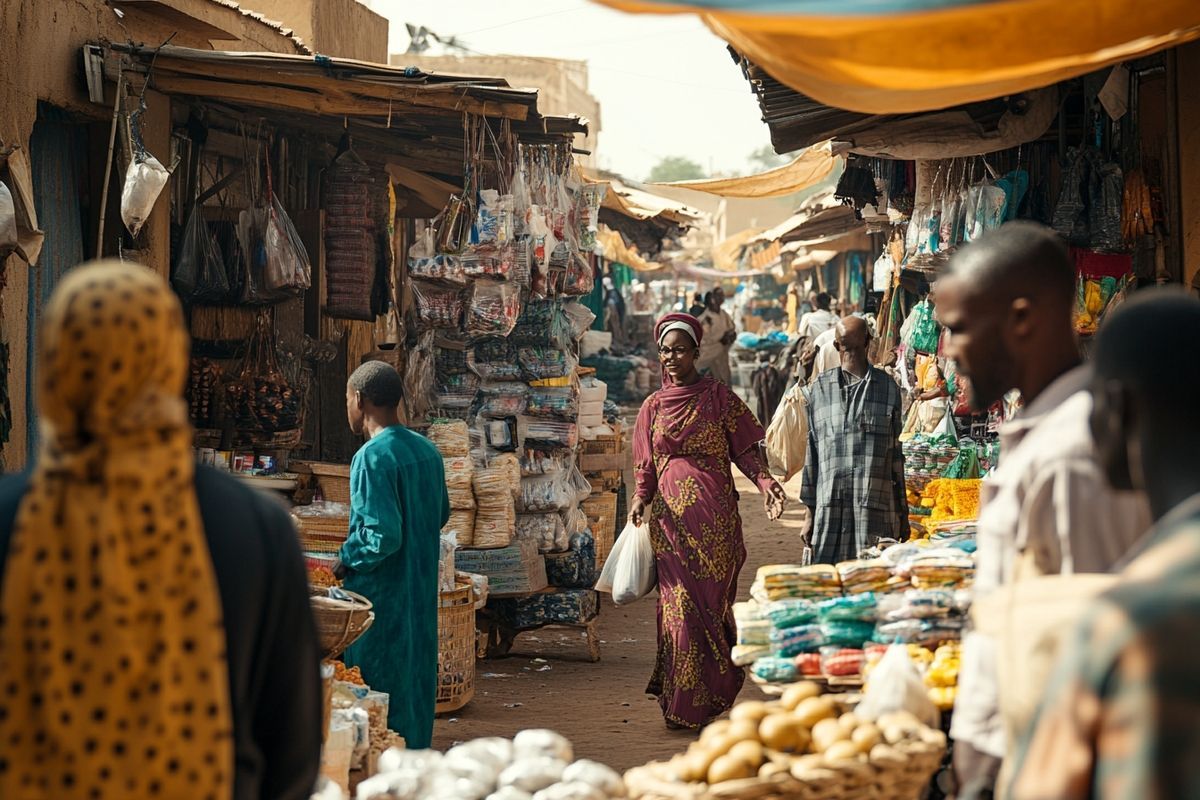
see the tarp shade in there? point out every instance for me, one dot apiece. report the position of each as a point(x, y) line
point(617, 251)
point(812, 166)
point(905, 56)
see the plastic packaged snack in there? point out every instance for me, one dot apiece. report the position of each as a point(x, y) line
point(546, 362)
point(545, 493)
point(851, 608)
point(555, 402)
point(549, 433)
point(842, 662)
point(437, 307)
point(745, 654)
point(754, 632)
point(789, 642)
point(545, 529)
point(774, 669)
point(447, 268)
point(493, 308)
point(847, 634)
point(790, 612)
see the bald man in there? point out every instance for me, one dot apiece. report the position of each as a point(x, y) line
point(1122, 717)
point(853, 481)
point(1007, 305)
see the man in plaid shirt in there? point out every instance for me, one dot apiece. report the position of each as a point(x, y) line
point(1121, 719)
point(853, 481)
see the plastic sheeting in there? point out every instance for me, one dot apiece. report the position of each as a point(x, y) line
point(905, 56)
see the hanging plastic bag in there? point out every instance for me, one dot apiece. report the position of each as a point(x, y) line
point(288, 271)
point(8, 222)
point(199, 275)
point(925, 333)
point(144, 181)
point(629, 573)
point(1070, 218)
point(493, 309)
point(486, 229)
point(787, 435)
point(895, 685)
point(580, 318)
point(1107, 196)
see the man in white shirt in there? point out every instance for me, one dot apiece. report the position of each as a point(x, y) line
point(1007, 305)
point(719, 335)
point(816, 322)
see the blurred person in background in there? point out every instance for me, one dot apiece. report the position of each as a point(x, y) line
point(1007, 307)
point(688, 436)
point(154, 615)
point(719, 336)
point(1121, 717)
point(853, 483)
point(398, 505)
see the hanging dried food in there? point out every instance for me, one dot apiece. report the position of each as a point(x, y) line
point(350, 231)
point(260, 398)
point(202, 389)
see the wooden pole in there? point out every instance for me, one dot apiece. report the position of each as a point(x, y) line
point(112, 143)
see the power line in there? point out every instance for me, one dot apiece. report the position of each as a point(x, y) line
point(524, 19)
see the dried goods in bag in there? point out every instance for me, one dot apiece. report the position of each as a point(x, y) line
point(437, 307)
point(493, 308)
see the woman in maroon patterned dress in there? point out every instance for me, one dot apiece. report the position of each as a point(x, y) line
point(688, 434)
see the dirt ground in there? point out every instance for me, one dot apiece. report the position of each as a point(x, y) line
point(602, 707)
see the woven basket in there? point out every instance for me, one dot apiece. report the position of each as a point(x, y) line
point(859, 780)
point(322, 534)
point(334, 480)
point(340, 623)
point(456, 648)
point(601, 510)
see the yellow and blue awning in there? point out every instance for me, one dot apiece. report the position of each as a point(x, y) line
point(907, 56)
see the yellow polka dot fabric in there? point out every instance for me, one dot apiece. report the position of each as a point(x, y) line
point(113, 680)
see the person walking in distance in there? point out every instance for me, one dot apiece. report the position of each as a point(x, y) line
point(719, 335)
point(398, 505)
point(1006, 306)
point(853, 482)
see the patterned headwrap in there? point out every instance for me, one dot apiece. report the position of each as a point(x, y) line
point(112, 635)
point(679, 322)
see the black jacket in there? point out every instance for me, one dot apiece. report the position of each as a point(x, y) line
point(272, 645)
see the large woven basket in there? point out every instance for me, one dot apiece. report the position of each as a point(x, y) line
point(859, 780)
point(334, 480)
point(340, 623)
point(601, 510)
point(456, 648)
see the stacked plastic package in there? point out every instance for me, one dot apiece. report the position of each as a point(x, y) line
point(822, 621)
point(494, 283)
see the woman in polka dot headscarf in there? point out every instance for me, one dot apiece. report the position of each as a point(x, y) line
point(114, 680)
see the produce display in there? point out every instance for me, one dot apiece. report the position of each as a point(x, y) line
point(804, 745)
point(205, 379)
point(534, 765)
point(260, 398)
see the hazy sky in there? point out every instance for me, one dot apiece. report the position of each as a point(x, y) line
point(666, 85)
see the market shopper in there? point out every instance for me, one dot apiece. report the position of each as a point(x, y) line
point(819, 320)
point(853, 484)
point(1007, 306)
point(719, 335)
point(155, 625)
point(398, 505)
point(688, 435)
point(1121, 719)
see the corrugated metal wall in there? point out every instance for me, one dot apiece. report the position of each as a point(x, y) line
point(55, 155)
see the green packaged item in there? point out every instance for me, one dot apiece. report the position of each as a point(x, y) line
point(790, 612)
point(844, 633)
point(775, 669)
point(851, 608)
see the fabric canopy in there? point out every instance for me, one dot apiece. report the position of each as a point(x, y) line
point(906, 56)
point(617, 251)
point(812, 166)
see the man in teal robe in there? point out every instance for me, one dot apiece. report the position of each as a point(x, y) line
point(398, 505)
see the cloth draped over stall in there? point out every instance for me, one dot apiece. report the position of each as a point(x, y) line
point(809, 168)
point(843, 52)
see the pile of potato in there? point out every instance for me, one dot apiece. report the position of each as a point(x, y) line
point(804, 734)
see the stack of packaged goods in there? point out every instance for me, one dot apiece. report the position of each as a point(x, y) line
point(495, 513)
point(822, 621)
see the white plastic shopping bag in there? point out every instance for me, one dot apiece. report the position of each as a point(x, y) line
point(143, 183)
point(895, 685)
point(629, 573)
